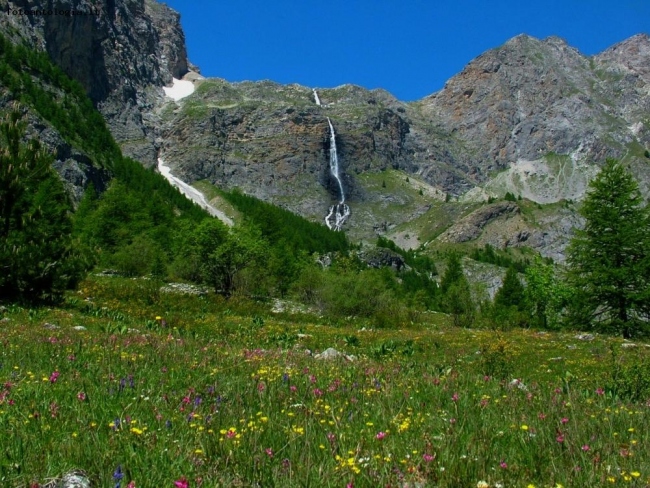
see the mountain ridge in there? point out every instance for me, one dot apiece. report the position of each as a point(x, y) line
point(532, 117)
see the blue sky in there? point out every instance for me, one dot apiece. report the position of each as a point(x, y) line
point(408, 47)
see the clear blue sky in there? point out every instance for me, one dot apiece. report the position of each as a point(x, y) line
point(408, 47)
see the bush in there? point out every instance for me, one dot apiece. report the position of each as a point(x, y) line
point(630, 377)
point(496, 359)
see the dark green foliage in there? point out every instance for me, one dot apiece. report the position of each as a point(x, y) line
point(411, 257)
point(38, 259)
point(134, 224)
point(510, 197)
point(609, 260)
point(511, 293)
point(456, 297)
point(489, 255)
point(349, 292)
point(34, 80)
point(279, 225)
point(416, 285)
point(647, 154)
point(630, 377)
point(453, 273)
point(221, 254)
point(510, 307)
point(496, 360)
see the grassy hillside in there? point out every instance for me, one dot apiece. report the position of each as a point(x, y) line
point(163, 387)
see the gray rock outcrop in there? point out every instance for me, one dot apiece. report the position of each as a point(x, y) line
point(122, 53)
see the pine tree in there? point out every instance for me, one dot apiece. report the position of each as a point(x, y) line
point(609, 260)
point(453, 273)
point(456, 297)
point(511, 293)
point(37, 257)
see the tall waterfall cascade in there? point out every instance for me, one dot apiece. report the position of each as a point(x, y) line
point(340, 212)
point(316, 99)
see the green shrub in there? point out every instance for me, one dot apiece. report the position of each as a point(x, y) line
point(630, 376)
point(496, 359)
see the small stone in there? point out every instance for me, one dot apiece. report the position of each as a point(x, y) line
point(47, 325)
point(518, 384)
point(331, 353)
point(628, 345)
point(79, 327)
point(585, 337)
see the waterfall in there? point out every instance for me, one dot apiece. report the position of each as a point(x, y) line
point(316, 97)
point(340, 212)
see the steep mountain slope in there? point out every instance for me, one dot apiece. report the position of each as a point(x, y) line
point(122, 52)
point(546, 115)
point(533, 117)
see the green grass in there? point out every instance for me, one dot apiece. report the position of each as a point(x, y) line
point(224, 394)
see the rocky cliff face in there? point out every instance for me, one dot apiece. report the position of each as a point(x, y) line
point(122, 52)
point(539, 109)
point(532, 117)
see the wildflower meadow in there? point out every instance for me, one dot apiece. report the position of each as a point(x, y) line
point(137, 388)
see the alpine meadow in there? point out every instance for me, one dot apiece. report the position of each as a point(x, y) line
point(207, 283)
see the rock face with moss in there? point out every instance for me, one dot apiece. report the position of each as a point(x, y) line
point(122, 53)
point(540, 110)
point(532, 117)
point(535, 118)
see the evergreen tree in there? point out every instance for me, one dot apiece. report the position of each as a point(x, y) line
point(453, 273)
point(609, 260)
point(456, 297)
point(37, 257)
point(511, 293)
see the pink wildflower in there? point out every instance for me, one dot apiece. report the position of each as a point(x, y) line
point(181, 483)
point(428, 458)
point(585, 448)
point(380, 435)
point(564, 420)
point(54, 376)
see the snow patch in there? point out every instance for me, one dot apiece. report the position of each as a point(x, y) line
point(192, 193)
point(179, 90)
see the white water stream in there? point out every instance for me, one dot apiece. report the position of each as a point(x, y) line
point(340, 212)
point(192, 193)
point(316, 97)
